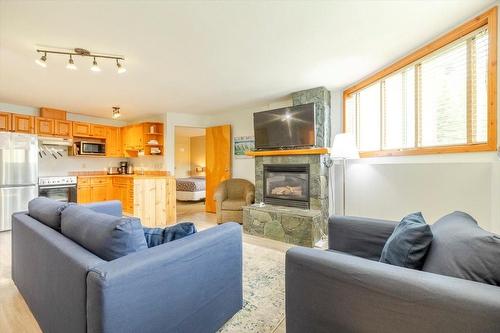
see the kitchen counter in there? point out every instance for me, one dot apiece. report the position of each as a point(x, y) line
point(125, 176)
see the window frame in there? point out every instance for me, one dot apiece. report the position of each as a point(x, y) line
point(488, 19)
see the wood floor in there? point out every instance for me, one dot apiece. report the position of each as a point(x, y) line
point(15, 315)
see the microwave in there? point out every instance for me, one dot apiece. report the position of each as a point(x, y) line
point(90, 148)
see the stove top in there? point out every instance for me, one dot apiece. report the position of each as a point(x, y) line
point(64, 180)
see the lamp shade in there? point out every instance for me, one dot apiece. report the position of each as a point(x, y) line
point(344, 146)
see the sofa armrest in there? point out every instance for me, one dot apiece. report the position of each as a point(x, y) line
point(193, 284)
point(336, 292)
point(113, 207)
point(359, 236)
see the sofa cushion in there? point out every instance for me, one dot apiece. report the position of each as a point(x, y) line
point(158, 236)
point(408, 244)
point(464, 250)
point(47, 211)
point(233, 204)
point(109, 237)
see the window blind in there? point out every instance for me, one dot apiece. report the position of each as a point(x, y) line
point(439, 100)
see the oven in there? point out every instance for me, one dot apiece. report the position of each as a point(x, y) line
point(58, 188)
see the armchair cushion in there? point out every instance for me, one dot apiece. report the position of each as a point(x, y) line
point(409, 243)
point(233, 204)
point(462, 249)
point(108, 237)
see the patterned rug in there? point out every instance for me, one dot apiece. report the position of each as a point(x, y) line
point(263, 291)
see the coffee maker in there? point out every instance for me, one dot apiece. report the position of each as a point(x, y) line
point(123, 167)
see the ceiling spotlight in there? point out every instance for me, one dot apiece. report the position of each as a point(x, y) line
point(94, 67)
point(43, 60)
point(71, 63)
point(120, 68)
point(116, 112)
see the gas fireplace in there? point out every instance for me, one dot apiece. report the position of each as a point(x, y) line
point(286, 185)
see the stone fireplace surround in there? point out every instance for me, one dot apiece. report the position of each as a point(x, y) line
point(297, 225)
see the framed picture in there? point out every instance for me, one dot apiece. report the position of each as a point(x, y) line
point(243, 144)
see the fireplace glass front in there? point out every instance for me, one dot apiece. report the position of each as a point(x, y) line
point(286, 185)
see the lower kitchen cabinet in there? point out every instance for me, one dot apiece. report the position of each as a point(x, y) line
point(150, 199)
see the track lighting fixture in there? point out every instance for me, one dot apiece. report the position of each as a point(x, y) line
point(116, 112)
point(82, 53)
point(94, 67)
point(43, 60)
point(120, 69)
point(71, 63)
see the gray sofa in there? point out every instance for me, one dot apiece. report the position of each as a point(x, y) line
point(346, 289)
point(193, 284)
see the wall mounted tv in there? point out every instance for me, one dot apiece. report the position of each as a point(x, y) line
point(291, 127)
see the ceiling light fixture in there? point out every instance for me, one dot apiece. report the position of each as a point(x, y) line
point(116, 112)
point(94, 67)
point(82, 53)
point(43, 60)
point(71, 64)
point(120, 69)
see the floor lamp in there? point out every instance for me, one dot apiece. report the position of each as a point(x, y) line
point(343, 149)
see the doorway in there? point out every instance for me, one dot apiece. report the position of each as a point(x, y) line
point(189, 169)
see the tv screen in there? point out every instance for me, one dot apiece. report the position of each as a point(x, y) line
point(285, 128)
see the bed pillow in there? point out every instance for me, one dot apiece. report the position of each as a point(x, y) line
point(108, 237)
point(409, 243)
point(462, 249)
point(158, 236)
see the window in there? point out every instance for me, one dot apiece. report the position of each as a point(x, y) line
point(442, 98)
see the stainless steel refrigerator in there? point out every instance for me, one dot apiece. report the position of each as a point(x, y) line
point(18, 174)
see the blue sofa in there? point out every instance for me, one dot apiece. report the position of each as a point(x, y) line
point(346, 289)
point(193, 284)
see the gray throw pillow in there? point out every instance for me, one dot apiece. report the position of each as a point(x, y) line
point(462, 249)
point(108, 237)
point(409, 243)
point(47, 211)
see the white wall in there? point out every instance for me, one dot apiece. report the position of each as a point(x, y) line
point(390, 187)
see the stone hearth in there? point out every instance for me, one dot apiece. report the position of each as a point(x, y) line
point(295, 225)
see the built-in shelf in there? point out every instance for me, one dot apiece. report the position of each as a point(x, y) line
point(307, 151)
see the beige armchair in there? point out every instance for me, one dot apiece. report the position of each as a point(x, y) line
point(230, 196)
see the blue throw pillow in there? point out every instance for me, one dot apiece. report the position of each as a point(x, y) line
point(409, 243)
point(158, 236)
point(108, 237)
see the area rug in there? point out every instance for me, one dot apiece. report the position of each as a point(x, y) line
point(263, 291)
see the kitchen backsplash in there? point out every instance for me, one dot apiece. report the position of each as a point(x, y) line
point(49, 166)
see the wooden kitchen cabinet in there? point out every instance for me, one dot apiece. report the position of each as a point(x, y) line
point(123, 190)
point(155, 201)
point(98, 131)
point(81, 129)
point(44, 126)
point(114, 142)
point(23, 123)
point(98, 193)
point(5, 121)
point(133, 137)
point(83, 190)
point(63, 128)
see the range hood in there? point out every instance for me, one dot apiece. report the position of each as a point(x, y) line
point(53, 141)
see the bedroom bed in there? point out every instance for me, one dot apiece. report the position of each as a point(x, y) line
point(191, 188)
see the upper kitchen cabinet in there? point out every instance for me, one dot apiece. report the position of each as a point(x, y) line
point(52, 113)
point(114, 142)
point(145, 137)
point(81, 129)
point(44, 126)
point(5, 121)
point(63, 128)
point(23, 124)
point(98, 131)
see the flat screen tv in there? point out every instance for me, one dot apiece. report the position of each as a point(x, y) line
point(291, 127)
